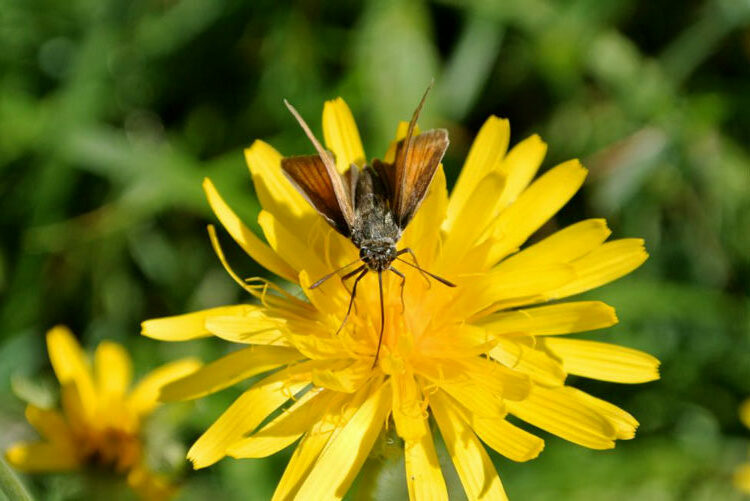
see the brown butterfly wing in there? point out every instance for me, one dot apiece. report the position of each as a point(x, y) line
point(387, 174)
point(351, 177)
point(310, 176)
point(413, 170)
point(323, 181)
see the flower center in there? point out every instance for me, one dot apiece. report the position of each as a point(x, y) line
point(111, 448)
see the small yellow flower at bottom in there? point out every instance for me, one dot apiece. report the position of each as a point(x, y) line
point(100, 420)
point(742, 473)
point(454, 360)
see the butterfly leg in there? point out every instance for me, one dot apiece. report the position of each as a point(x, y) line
point(403, 282)
point(361, 275)
point(421, 270)
point(346, 287)
point(414, 257)
point(320, 281)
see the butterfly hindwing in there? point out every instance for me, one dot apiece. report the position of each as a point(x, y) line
point(387, 175)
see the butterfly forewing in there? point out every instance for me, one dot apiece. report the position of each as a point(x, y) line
point(411, 175)
point(342, 195)
point(311, 178)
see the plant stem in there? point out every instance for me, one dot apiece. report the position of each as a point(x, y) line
point(11, 485)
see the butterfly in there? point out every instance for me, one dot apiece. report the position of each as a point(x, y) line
point(371, 206)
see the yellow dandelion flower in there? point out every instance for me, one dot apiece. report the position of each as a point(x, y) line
point(100, 420)
point(465, 357)
point(742, 474)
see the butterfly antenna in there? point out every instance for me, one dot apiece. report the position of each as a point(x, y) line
point(382, 319)
point(439, 279)
point(334, 272)
point(324, 155)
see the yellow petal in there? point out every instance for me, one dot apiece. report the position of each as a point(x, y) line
point(623, 423)
point(534, 207)
point(71, 367)
point(604, 361)
point(495, 382)
point(556, 412)
point(301, 462)
point(251, 244)
point(293, 248)
point(563, 246)
point(348, 448)
point(608, 262)
point(505, 438)
point(348, 379)
point(257, 287)
point(256, 327)
point(310, 447)
point(477, 398)
point(455, 341)
point(51, 425)
point(538, 365)
point(144, 397)
point(563, 318)
point(745, 413)
point(287, 427)
point(275, 193)
point(190, 325)
point(474, 467)
point(491, 291)
point(510, 383)
point(228, 370)
point(113, 369)
point(148, 485)
point(486, 152)
point(36, 457)
point(424, 478)
point(520, 166)
point(478, 212)
point(76, 414)
point(422, 235)
point(246, 413)
point(741, 478)
point(409, 410)
point(466, 245)
point(312, 444)
point(324, 346)
point(341, 134)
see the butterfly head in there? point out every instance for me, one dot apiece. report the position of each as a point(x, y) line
point(378, 254)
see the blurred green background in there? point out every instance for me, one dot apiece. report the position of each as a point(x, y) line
point(111, 113)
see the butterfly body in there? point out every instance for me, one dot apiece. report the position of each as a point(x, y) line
point(375, 231)
point(372, 206)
